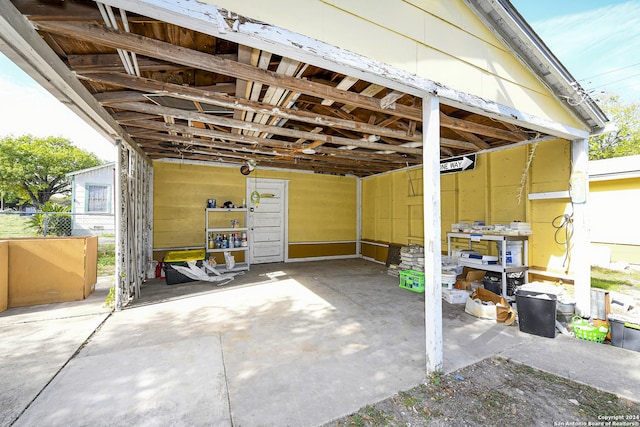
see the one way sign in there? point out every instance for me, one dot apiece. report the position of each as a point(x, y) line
point(458, 164)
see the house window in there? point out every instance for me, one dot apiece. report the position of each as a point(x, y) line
point(97, 198)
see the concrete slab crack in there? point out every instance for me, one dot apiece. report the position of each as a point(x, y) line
point(73, 356)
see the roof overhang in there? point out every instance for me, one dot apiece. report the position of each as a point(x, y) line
point(507, 24)
point(326, 118)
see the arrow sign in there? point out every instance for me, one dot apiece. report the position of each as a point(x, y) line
point(458, 164)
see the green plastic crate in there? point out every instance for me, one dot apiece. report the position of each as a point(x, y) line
point(412, 280)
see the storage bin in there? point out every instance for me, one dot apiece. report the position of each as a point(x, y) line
point(625, 334)
point(412, 280)
point(173, 276)
point(492, 285)
point(493, 282)
point(536, 313)
point(184, 256)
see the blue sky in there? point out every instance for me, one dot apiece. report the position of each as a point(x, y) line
point(598, 41)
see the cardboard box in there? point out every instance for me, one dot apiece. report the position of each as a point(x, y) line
point(455, 296)
point(485, 304)
point(480, 309)
point(468, 277)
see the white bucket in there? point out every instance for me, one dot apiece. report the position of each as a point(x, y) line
point(514, 253)
point(448, 279)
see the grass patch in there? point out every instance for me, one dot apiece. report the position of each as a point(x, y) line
point(14, 225)
point(614, 280)
point(106, 259)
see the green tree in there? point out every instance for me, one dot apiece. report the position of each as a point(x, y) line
point(625, 141)
point(34, 169)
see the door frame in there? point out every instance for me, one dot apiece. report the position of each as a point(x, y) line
point(285, 213)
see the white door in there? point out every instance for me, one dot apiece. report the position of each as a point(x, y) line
point(267, 219)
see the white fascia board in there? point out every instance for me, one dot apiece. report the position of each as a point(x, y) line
point(20, 42)
point(210, 19)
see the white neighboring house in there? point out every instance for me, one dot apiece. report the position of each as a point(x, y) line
point(93, 200)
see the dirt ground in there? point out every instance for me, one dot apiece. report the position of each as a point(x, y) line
point(497, 392)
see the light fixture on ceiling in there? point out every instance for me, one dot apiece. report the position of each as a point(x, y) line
point(308, 151)
point(248, 167)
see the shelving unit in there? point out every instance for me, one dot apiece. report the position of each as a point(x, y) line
point(218, 217)
point(501, 268)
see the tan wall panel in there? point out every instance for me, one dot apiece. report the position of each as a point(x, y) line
point(91, 265)
point(545, 253)
point(551, 166)
point(43, 271)
point(4, 275)
point(472, 193)
point(489, 193)
point(377, 252)
point(321, 250)
point(321, 207)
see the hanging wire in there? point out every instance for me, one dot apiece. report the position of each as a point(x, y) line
point(255, 196)
point(525, 173)
point(413, 191)
point(563, 234)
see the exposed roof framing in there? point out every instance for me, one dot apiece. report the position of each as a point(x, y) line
point(175, 92)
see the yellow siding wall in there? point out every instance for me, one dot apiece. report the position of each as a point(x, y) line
point(613, 216)
point(439, 40)
point(488, 193)
point(322, 208)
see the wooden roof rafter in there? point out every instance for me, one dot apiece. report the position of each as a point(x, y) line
point(277, 104)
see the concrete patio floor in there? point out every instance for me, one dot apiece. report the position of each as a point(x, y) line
point(295, 344)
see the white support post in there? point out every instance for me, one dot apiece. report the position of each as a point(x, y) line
point(359, 218)
point(120, 230)
point(432, 232)
point(580, 241)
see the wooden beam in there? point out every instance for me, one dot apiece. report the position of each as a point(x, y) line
point(345, 84)
point(158, 126)
point(467, 126)
point(113, 97)
point(474, 139)
point(222, 100)
point(141, 45)
point(239, 124)
point(102, 62)
point(389, 100)
point(460, 145)
point(241, 151)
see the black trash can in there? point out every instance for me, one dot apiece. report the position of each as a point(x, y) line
point(536, 313)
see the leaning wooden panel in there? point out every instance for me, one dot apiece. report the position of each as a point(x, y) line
point(43, 271)
point(91, 265)
point(4, 275)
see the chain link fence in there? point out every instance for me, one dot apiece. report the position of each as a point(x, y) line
point(59, 224)
point(48, 224)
